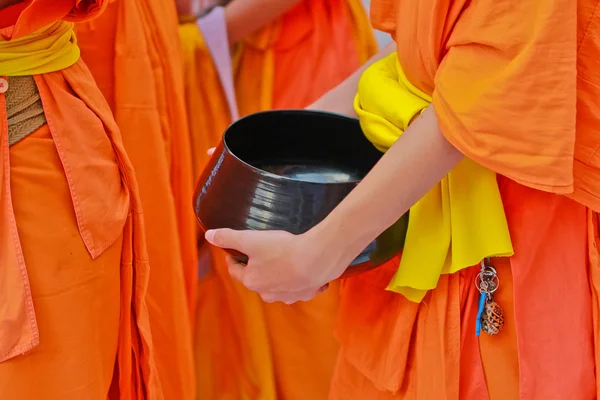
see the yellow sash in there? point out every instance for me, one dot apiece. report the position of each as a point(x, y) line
point(49, 49)
point(459, 222)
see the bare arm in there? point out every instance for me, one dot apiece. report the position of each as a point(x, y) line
point(418, 160)
point(341, 98)
point(245, 17)
point(289, 268)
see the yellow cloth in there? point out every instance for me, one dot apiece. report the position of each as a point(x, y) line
point(50, 49)
point(459, 222)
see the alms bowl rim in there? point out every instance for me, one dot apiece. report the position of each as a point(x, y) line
point(275, 176)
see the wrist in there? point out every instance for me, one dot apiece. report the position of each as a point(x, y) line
point(336, 245)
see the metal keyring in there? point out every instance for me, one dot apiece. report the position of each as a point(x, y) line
point(479, 280)
point(489, 268)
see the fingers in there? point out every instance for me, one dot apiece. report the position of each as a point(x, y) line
point(291, 298)
point(271, 271)
point(236, 270)
point(241, 272)
point(227, 238)
point(323, 288)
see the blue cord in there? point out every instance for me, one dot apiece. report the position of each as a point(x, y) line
point(480, 313)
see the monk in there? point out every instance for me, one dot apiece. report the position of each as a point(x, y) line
point(288, 63)
point(491, 141)
point(288, 53)
point(204, 79)
point(74, 319)
point(137, 65)
point(219, 328)
point(231, 362)
point(298, 55)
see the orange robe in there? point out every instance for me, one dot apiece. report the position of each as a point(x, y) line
point(295, 60)
point(74, 322)
point(203, 91)
point(226, 367)
point(135, 64)
point(513, 89)
point(279, 351)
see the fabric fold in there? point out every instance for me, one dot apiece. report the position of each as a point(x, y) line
point(458, 223)
point(91, 184)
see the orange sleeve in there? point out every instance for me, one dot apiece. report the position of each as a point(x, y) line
point(29, 16)
point(505, 91)
point(383, 15)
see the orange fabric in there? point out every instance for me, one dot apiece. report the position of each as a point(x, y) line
point(29, 16)
point(504, 103)
point(308, 51)
point(171, 98)
point(126, 58)
point(79, 331)
point(162, 54)
point(288, 352)
point(396, 349)
point(363, 34)
point(203, 91)
point(250, 350)
point(233, 353)
point(505, 45)
point(73, 244)
point(499, 354)
point(593, 224)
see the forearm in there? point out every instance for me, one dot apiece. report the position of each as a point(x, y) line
point(341, 98)
point(418, 160)
point(245, 17)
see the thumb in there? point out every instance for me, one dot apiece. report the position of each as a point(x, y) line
point(226, 238)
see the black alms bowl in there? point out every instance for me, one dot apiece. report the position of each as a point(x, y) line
point(287, 170)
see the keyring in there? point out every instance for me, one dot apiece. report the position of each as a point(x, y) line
point(479, 282)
